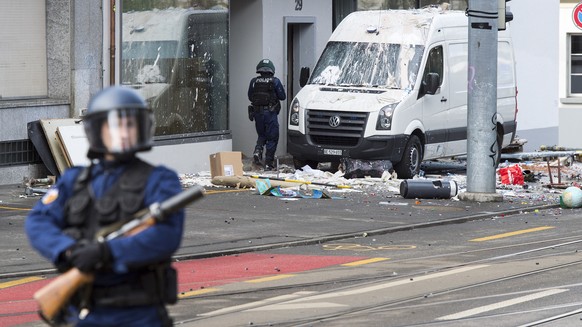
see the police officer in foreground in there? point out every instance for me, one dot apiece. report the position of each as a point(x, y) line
point(265, 93)
point(133, 276)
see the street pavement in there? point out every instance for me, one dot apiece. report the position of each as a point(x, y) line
point(228, 220)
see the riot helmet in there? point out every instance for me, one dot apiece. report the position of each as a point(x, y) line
point(119, 123)
point(265, 66)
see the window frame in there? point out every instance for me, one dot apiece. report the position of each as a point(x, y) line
point(570, 73)
point(34, 83)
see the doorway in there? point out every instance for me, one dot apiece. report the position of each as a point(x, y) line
point(299, 52)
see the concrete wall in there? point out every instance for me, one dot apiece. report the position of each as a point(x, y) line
point(87, 54)
point(186, 158)
point(537, 57)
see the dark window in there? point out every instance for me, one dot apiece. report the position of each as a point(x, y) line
point(575, 64)
point(178, 59)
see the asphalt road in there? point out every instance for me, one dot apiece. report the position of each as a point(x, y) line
point(240, 223)
point(228, 221)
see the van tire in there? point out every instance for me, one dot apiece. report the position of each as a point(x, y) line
point(411, 159)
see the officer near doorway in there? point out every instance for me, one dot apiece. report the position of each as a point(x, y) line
point(265, 94)
point(133, 276)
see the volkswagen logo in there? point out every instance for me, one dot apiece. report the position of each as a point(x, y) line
point(334, 121)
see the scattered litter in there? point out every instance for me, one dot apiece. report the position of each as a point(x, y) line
point(35, 191)
point(299, 181)
point(264, 188)
point(393, 203)
point(536, 187)
point(355, 168)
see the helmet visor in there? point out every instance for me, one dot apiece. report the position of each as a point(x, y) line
point(120, 131)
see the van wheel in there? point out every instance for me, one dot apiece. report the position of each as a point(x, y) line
point(410, 164)
point(300, 163)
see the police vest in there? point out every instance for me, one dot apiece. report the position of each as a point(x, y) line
point(153, 284)
point(263, 93)
point(85, 215)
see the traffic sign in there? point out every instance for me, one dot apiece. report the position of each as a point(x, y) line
point(577, 15)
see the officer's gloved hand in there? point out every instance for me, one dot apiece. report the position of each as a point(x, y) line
point(89, 257)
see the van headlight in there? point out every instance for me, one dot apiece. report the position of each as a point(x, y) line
point(294, 113)
point(385, 117)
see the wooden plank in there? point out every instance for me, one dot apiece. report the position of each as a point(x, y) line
point(247, 182)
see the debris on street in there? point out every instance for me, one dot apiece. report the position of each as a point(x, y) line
point(534, 177)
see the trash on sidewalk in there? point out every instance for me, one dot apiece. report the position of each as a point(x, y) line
point(356, 168)
point(386, 203)
point(244, 182)
point(511, 175)
point(264, 187)
point(571, 198)
point(428, 189)
point(226, 164)
point(35, 190)
point(298, 181)
point(49, 180)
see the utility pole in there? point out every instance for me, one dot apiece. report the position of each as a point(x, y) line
point(482, 102)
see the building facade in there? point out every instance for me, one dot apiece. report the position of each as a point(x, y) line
point(193, 60)
point(570, 72)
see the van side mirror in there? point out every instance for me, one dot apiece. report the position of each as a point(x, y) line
point(303, 76)
point(431, 82)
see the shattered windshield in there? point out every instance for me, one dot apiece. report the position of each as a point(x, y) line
point(381, 65)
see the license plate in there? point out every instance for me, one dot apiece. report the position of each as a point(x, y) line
point(332, 152)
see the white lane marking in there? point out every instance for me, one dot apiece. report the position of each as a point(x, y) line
point(378, 287)
point(305, 302)
point(256, 304)
point(502, 304)
point(296, 306)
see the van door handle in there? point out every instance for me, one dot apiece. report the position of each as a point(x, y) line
point(443, 99)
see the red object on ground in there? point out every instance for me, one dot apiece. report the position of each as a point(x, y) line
point(512, 175)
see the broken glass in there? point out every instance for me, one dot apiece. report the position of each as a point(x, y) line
point(363, 64)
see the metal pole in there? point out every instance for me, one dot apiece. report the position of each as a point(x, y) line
point(482, 101)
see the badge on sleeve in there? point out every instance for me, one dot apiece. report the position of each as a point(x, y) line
point(50, 196)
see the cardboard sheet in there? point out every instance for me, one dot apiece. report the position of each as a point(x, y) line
point(75, 144)
point(50, 127)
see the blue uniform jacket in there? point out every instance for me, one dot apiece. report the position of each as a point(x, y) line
point(45, 223)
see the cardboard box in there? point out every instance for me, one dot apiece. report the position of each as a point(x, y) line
point(226, 164)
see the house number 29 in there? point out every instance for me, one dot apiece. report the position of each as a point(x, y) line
point(298, 4)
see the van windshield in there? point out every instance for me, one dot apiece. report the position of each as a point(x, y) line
point(380, 65)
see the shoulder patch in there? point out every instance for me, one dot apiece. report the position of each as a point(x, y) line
point(50, 196)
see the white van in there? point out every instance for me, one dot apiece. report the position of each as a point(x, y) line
point(392, 85)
